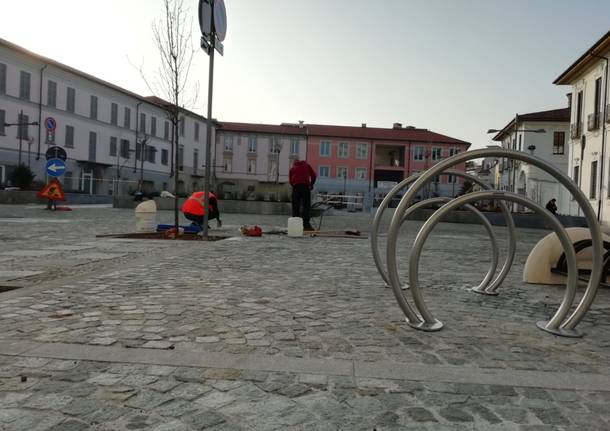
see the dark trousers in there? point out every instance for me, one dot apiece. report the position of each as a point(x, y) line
point(198, 219)
point(301, 196)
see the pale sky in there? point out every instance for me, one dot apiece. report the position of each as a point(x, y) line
point(458, 67)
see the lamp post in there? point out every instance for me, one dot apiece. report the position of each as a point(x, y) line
point(512, 170)
point(22, 126)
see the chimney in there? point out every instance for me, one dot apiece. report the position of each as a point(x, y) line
point(301, 124)
point(397, 126)
point(363, 125)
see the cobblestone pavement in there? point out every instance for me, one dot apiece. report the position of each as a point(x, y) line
point(278, 333)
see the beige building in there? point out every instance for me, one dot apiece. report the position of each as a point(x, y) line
point(588, 155)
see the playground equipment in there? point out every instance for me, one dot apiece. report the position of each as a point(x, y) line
point(565, 319)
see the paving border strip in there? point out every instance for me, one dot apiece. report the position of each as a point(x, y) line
point(275, 363)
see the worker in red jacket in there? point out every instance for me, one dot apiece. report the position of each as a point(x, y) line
point(193, 208)
point(302, 178)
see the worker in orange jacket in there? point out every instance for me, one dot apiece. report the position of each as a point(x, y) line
point(193, 208)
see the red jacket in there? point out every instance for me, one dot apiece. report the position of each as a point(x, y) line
point(302, 173)
point(194, 204)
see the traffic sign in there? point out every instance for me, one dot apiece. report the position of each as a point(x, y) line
point(56, 153)
point(55, 167)
point(50, 124)
point(52, 191)
point(220, 19)
point(205, 17)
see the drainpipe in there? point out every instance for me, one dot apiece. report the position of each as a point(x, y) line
point(603, 156)
point(40, 112)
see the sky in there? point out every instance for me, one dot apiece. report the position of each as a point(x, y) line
point(457, 67)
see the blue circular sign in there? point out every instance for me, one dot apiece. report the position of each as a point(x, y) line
point(50, 124)
point(55, 167)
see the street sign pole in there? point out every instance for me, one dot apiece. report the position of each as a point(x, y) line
point(208, 144)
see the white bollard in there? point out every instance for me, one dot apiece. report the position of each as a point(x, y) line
point(146, 213)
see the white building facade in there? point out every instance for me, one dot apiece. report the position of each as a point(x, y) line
point(113, 138)
point(545, 135)
point(588, 154)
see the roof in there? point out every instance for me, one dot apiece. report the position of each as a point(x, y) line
point(350, 132)
point(584, 61)
point(153, 100)
point(382, 134)
point(271, 129)
point(554, 115)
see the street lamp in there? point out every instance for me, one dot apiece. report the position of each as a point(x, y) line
point(512, 165)
point(21, 126)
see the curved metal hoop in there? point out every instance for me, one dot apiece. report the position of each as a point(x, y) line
point(552, 325)
point(583, 306)
point(491, 287)
point(492, 237)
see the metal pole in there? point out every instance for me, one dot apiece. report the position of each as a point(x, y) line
point(208, 144)
point(20, 133)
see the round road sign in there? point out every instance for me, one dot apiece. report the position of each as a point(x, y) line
point(56, 153)
point(50, 124)
point(220, 19)
point(205, 17)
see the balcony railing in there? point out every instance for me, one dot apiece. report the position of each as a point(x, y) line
point(593, 121)
point(575, 130)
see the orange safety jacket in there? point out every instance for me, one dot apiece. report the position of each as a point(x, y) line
point(194, 204)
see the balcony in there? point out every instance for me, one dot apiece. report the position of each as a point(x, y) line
point(575, 130)
point(593, 121)
point(391, 158)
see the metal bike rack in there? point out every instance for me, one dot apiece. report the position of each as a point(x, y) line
point(562, 323)
point(488, 287)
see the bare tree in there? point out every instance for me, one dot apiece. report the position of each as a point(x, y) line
point(172, 35)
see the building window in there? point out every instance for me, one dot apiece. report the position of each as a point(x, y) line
point(52, 94)
point(151, 153)
point(275, 146)
point(93, 107)
point(2, 78)
point(361, 173)
point(113, 146)
point(114, 114)
point(324, 171)
point(142, 123)
point(196, 131)
point(2, 121)
point(153, 126)
point(228, 143)
point(227, 165)
point(181, 157)
point(437, 153)
point(182, 124)
point(124, 148)
point(593, 184)
point(127, 118)
point(22, 128)
point(597, 100)
point(559, 139)
point(576, 178)
point(418, 153)
point(70, 99)
point(164, 157)
point(252, 144)
point(195, 159)
point(92, 145)
point(341, 172)
point(520, 148)
point(273, 171)
point(24, 85)
point(451, 179)
point(343, 150)
point(69, 137)
point(325, 149)
point(362, 151)
point(166, 131)
point(453, 151)
point(251, 166)
point(294, 147)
